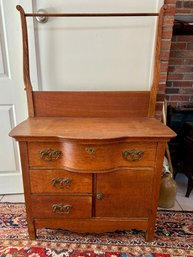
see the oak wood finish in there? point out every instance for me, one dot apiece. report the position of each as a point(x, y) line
point(95, 129)
point(26, 71)
point(26, 185)
point(121, 196)
point(42, 206)
point(91, 104)
point(105, 156)
point(156, 76)
point(53, 182)
point(93, 225)
point(91, 161)
point(129, 188)
point(155, 190)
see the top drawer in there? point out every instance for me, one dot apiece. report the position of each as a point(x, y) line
point(91, 157)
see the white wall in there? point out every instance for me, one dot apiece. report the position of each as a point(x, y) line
point(96, 53)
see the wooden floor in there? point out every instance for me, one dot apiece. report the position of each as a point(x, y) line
point(182, 202)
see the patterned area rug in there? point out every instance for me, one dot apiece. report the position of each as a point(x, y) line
point(173, 237)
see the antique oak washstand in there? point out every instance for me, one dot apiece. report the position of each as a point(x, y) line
point(91, 161)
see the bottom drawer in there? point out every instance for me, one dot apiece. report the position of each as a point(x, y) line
point(61, 206)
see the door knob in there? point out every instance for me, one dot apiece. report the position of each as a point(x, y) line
point(42, 19)
point(100, 196)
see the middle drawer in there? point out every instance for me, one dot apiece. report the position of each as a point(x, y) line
point(60, 181)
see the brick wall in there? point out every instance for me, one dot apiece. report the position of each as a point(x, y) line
point(179, 90)
point(184, 7)
point(165, 52)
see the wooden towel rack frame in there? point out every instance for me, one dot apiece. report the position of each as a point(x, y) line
point(33, 97)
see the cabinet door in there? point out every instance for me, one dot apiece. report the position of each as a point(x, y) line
point(125, 193)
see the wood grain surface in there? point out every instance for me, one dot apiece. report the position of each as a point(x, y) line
point(55, 128)
point(42, 206)
point(91, 104)
point(74, 156)
point(41, 182)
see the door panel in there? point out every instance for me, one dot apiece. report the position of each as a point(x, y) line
point(7, 153)
point(125, 193)
point(12, 98)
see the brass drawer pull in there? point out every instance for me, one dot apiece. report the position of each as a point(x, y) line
point(133, 155)
point(90, 149)
point(50, 154)
point(100, 196)
point(61, 183)
point(61, 208)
